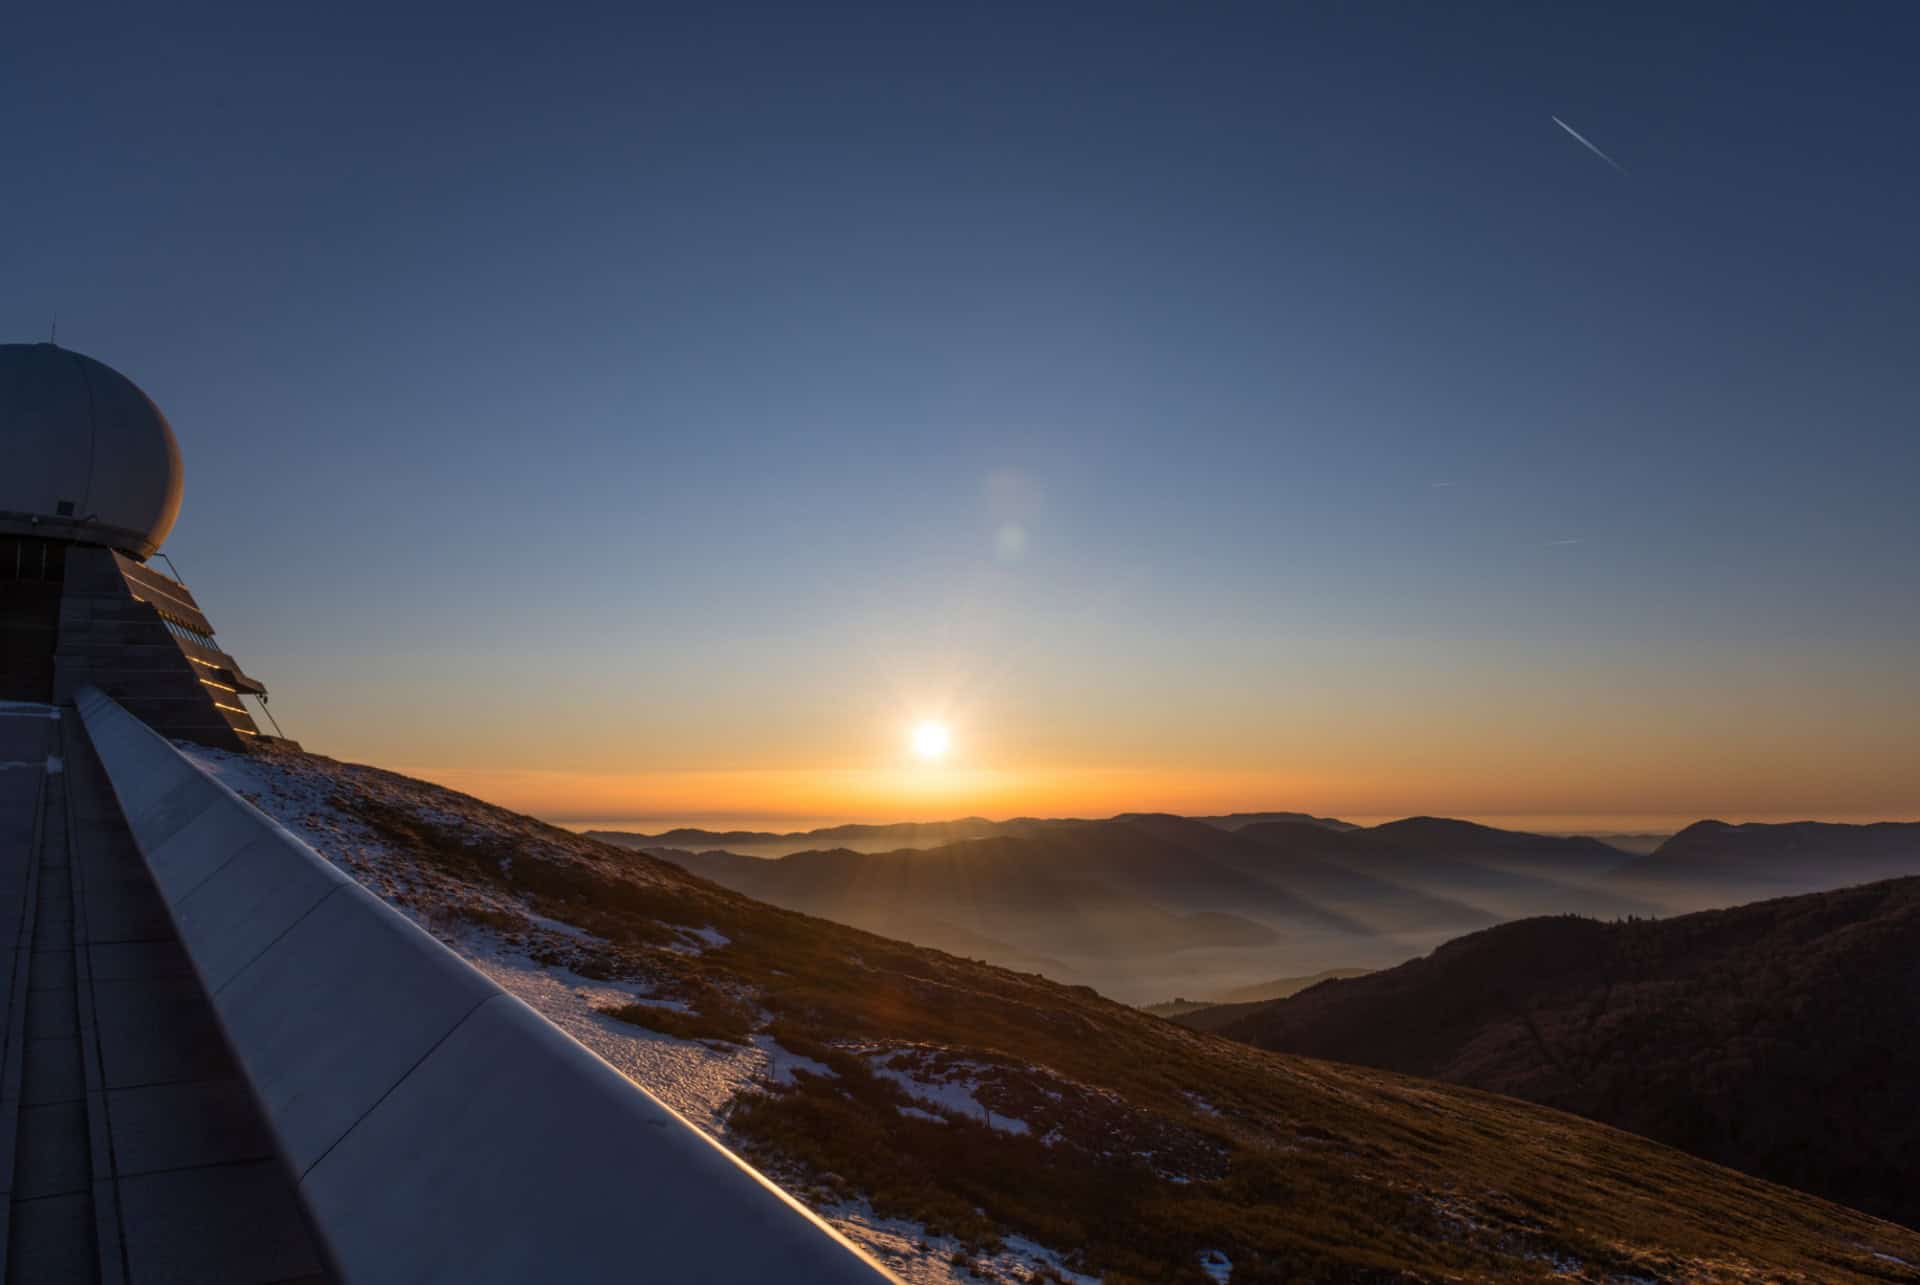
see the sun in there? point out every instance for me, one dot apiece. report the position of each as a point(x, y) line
point(930, 740)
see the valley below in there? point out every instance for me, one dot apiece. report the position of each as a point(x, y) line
point(1148, 907)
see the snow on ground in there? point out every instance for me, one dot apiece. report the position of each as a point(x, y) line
point(782, 1064)
point(949, 1088)
point(560, 926)
point(906, 1250)
point(698, 1079)
point(302, 802)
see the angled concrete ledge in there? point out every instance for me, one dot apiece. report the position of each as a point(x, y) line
point(440, 1130)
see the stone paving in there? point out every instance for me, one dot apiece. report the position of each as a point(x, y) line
point(130, 1146)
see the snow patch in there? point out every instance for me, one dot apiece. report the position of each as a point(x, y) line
point(694, 1079)
point(710, 937)
point(781, 1064)
point(560, 926)
point(905, 1249)
point(656, 1001)
point(1217, 1266)
point(952, 1092)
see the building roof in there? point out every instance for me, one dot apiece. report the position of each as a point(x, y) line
point(89, 457)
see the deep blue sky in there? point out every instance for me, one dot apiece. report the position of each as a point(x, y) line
point(639, 390)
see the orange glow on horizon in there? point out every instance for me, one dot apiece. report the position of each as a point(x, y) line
point(1588, 741)
point(809, 798)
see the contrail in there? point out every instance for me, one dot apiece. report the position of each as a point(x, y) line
point(1581, 139)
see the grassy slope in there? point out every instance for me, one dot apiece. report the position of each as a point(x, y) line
point(1150, 1143)
point(1780, 1037)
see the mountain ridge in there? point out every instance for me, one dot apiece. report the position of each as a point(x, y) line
point(1789, 855)
point(859, 836)
point(1778, 1037)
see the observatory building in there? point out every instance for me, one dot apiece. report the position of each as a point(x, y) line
point(111, 1042)
point(222, 1060)
point(90, 485)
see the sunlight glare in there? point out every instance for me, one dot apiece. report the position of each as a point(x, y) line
point(930, 740)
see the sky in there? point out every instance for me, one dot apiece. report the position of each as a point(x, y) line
point(656, 411)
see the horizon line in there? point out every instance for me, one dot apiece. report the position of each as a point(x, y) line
point(1555, 823)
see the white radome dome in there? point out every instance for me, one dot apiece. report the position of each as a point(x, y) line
point(84, 454)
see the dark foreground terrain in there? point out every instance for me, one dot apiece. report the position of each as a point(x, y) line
point(1781, 1038)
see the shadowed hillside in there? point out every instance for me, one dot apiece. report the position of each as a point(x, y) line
point(995, 1109)
point(1782, 1038)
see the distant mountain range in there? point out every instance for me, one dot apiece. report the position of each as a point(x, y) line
point(895, 836)
point(859, 838)
point(1249, 996)
point(1781, 1038)
point(1146, 905)
point(1801, 856)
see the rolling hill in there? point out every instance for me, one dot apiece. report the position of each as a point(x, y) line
point(1781, 1038)
point(960, 1117)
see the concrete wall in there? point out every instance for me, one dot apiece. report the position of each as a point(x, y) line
point(439, 1129)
